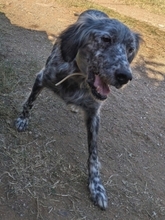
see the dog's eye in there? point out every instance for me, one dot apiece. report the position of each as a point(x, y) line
point(107, 39)
point(130, 50)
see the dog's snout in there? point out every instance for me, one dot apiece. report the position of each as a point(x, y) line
point(123, 76)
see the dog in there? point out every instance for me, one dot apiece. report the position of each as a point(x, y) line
point(87, 58)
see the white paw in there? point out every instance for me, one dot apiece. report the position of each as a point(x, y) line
point(21, 124)
point(98, 193)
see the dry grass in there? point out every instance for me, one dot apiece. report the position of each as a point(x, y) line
point(155, 6)
point(149, 32)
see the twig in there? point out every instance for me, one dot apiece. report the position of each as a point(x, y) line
point(74, 74)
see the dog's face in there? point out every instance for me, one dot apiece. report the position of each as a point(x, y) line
point(104, 55)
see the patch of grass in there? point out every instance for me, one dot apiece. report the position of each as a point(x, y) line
point(77, 4)
point(156, 6)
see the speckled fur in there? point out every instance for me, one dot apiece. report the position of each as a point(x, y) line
point(95, 43)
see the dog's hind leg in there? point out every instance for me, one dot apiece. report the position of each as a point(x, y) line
point(21, 122)
point(98, 193)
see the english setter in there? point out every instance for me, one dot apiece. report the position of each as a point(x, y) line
point(87, 58)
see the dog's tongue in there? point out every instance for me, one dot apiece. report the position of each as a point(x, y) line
point(101, 87)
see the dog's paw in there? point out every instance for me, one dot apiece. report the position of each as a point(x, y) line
point(21, 124)
point(98, 194)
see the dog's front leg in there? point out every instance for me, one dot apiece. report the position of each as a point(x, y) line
point(22, 121)
point(98, 193)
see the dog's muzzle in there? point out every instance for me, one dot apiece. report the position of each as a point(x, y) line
point(122, 77)
point(99, 88)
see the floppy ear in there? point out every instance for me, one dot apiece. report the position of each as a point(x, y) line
point(138, 40)
point(72, 39)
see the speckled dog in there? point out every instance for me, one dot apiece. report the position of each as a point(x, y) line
point(88, 57)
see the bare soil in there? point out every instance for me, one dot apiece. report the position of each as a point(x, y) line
point(43, 172)
point(135, 11)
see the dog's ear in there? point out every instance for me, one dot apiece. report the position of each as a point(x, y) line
point(72, 39)
point(138, 40)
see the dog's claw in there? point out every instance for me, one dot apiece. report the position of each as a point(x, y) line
point(102, 201)
point(98, 195)
point(21, 124)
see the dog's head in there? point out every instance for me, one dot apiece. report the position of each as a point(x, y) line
point(103, 49)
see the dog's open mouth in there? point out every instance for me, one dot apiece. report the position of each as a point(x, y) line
point(99, 88)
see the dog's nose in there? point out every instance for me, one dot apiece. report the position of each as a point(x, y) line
point(123, 76)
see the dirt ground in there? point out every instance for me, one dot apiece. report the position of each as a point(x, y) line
point(135, 11)
point(43, 172)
